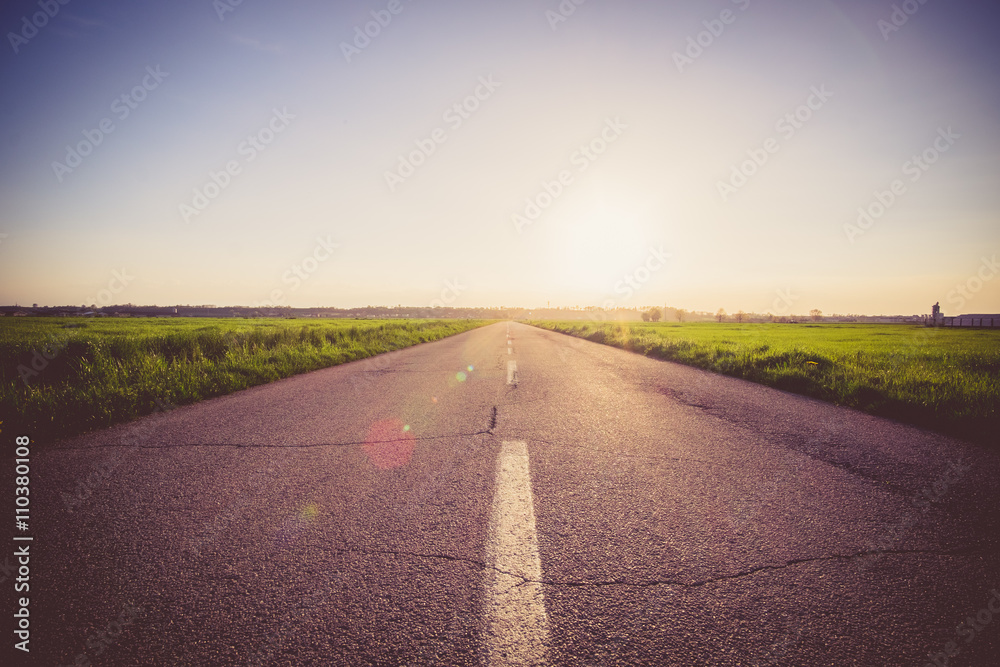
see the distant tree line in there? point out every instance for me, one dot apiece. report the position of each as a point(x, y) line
point(586, 313)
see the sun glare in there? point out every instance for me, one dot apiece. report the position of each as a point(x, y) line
point(597, 244)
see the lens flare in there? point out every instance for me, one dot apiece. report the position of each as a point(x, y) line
point(295, 523)
point(460, 376)
point(309, 512)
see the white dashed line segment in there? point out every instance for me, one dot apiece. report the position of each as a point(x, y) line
point(517, 626)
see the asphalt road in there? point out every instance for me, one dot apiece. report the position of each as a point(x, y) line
point(495, 499)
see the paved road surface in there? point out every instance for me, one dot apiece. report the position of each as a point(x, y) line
point(508, 496)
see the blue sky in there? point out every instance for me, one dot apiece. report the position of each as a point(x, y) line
point(598, 154)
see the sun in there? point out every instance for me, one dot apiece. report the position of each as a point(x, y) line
point(591, 245)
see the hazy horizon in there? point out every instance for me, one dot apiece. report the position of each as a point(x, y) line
point(249, 153)
point(669, 317)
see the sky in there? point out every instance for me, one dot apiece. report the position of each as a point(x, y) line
point(764, 155)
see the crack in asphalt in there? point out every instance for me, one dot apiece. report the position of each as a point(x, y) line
point(252, 446)
point(391, 552)
point(393, 371)
point(762, 568)
point(490, 431)
point(669, 582)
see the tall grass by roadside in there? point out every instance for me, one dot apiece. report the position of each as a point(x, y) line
point(945, 379)
point(102, 372)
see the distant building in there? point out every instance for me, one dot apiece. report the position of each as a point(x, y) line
point(977, 320)
point(938, 319)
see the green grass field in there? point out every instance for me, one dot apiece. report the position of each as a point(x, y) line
point(61, 376)
point(945, 379)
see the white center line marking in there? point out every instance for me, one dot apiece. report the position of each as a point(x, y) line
point(511, 372)
point(517, 627)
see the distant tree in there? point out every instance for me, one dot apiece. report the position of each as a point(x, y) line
point(740, 316)
point(645, 316)
point(680, 313)
point(655, 315)
point(816, 314)
point(721, 315)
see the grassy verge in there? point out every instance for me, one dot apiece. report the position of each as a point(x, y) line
point(945, 379)
point(63, 376)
